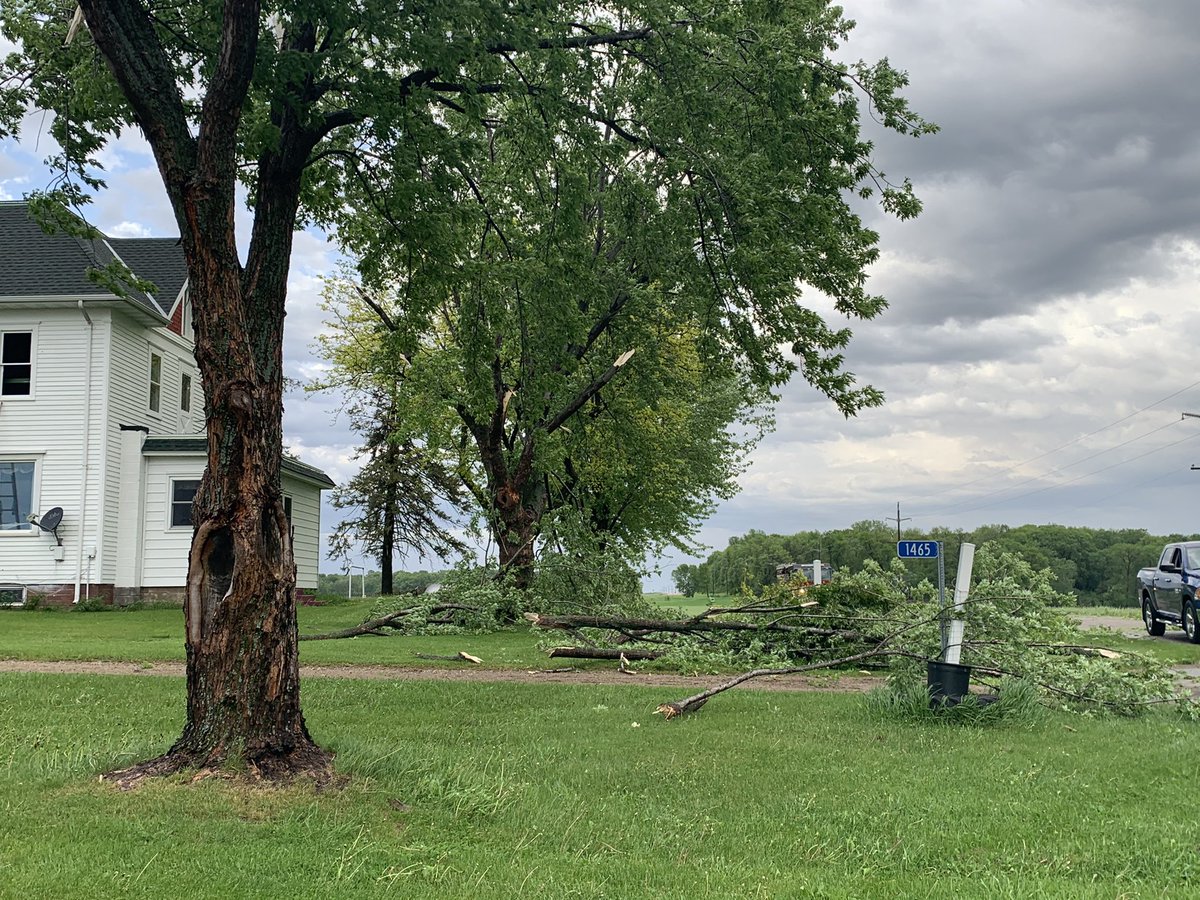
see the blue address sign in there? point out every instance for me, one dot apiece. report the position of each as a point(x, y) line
point(917, 549)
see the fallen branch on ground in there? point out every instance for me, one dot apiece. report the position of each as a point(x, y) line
point(602, 653)
point(694, 702)
point(694, 625)
point(439, 614)
point(460, 656)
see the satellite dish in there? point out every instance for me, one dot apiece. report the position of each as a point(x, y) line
point(51, 520)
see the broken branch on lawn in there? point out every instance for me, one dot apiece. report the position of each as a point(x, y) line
point(438, 614)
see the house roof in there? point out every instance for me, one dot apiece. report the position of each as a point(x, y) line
point(34, 263)
point(197, 444)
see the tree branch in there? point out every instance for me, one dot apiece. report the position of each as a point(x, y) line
point(123, 32)
point(587, 394)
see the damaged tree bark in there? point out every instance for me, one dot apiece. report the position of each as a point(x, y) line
point(243, 684)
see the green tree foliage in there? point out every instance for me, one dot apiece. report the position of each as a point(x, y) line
point(606, 280)
point(406, 494)
point(378, 121)
point(1097, 565)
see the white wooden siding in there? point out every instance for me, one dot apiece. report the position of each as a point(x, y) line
point(306, 524)
point(165, 549)
point(129, 404)
point(49, 427)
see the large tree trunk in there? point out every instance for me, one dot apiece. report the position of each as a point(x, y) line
point(243, 670)
point(516, 535)
point(387, 547)
point(243, 682)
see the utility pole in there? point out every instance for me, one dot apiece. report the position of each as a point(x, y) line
point(1191, 416)
point(899, 520)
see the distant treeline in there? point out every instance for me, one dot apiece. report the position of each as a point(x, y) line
point(1096, 564)
point(402, 583)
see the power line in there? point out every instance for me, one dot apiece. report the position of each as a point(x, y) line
point(1070, 443)
point(1048, 487)
point(952, 506)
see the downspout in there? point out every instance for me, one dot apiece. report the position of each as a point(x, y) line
point(87, 446)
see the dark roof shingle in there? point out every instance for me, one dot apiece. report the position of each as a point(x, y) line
point(33, 263)
point(198, 443)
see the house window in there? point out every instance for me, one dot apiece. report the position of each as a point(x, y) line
point(185, 393)
point(155, 382)
point(12, 595)
point(16, 494)
point(183, 492)
point(16, 363)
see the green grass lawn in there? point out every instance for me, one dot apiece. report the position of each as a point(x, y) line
point(474, 790)
point(155, 635)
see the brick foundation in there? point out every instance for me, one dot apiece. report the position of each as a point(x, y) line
point(63, 595)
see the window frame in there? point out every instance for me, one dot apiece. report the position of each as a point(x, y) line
point(172, 481)
point(288, 505)
point(186, 328)
point(185, 392)
point(34, 494)
point(13, 586)
point(30, 330)
point(154, 399)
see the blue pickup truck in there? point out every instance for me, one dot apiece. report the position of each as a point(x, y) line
point(1168, 591)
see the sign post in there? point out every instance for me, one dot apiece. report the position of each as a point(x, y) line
point(930, 550)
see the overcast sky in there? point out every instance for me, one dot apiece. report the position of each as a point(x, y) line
point(1035, 356)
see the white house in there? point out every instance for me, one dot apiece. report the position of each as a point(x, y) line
point(101, 416)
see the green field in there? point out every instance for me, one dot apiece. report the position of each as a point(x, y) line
point(474, 790)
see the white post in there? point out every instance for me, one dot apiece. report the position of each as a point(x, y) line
point(130, 512)
point(962, 585)
point(816, 571)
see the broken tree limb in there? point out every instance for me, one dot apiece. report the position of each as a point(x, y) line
point(602, 653)
point(680, 626)
point(460, 656)
point(694, 702)
point(372, 626)
point(435, 615)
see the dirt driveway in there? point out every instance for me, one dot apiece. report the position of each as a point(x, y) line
point(1119, 624)
point(856, 683)
point(849, 683)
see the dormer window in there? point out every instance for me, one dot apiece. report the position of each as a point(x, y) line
point(16, 363)
point(185, 318)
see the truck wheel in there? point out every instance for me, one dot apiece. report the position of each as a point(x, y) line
point(1154, 628)
point(1190, 626)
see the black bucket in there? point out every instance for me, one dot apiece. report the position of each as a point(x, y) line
point(948, 683)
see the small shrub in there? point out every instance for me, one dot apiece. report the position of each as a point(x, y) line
point(907, 699)
point(94, 604)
